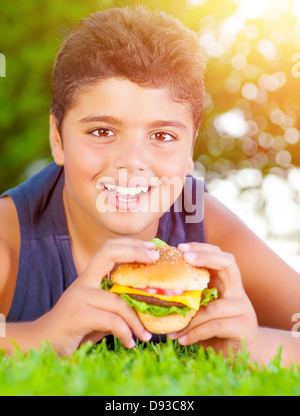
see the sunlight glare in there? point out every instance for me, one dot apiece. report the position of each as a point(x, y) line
point(297, 8)
point(254, 9)
point(231, 123)
point(195, 3)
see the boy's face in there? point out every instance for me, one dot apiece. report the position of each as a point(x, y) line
point(118, 133)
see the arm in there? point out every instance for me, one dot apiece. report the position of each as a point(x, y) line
point(10, 242)
point(22, 333)
point(85, 311)
point(272, 286)
point(272, 339)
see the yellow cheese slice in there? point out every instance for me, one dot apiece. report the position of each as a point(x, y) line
point(190, 298)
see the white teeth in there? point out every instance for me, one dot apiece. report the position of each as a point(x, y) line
point(126, 191)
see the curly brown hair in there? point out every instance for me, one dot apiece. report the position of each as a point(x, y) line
point(149, 48)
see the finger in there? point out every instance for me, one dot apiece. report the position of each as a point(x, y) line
point(94, 337)
point(113, 303)
point(224, 263)
point(109, 323)
point(218, 328)
point(132, 241)
point(194, 246)
point(217, 344)
point(117, 251)
point(220, 308)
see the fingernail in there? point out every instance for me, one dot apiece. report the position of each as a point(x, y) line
point(184, 247)
point(147, 336)
point(148, 244)
point(153, 253)
point(182, 340)
point(132, 344)
point(172, 335)
point(190, 256)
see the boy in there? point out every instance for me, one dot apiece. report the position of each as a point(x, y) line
point(126, 107)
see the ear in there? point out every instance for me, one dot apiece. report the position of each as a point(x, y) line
point(56, 142)
point(190, 167)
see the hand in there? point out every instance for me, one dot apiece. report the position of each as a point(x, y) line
point(224, 322)
point(85, 311)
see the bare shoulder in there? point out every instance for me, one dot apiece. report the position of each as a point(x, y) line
point(226, 230)
point(9, 251)
point(220, 222)
point(9, 223)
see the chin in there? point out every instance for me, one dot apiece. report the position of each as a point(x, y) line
point(126, 224)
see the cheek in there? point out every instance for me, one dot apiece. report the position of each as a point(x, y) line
point(82, 165)
point(174, 165)
point(83, 160)
point(172, 173)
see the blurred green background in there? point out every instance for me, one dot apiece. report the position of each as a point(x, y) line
point(251, 115)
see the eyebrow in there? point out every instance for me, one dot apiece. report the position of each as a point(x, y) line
point(116, 121)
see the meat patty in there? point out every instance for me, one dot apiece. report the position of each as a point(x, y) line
point(154, 301)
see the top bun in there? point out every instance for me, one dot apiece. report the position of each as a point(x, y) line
point(170, 271)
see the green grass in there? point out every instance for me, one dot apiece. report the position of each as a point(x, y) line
point(148, 370)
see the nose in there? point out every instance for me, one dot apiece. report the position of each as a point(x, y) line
point(132, 154)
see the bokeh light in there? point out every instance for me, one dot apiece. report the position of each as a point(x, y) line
point(253, 75)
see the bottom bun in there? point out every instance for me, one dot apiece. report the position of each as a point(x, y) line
point(166, 324)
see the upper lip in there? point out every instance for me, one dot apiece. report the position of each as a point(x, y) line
point(134, 183)
point(131, 184)
point(127, 185)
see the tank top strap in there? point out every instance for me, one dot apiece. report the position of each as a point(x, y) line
point(184, 221)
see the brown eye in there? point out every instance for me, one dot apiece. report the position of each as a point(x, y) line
point(162, 137)
point(102, 133)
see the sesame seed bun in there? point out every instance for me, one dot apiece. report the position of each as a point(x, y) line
point(170, 271)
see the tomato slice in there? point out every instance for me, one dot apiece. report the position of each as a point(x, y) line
point(164, 292)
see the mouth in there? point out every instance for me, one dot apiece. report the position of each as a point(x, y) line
point(127, 194)
point(126, 198)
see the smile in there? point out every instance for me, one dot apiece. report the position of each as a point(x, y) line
point(124, 193)
point(126, 198)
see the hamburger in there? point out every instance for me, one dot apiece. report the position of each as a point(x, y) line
point(166, 294)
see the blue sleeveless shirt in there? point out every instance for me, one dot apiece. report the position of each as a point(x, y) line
point(46, 266)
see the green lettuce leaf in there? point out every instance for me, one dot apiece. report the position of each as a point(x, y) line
point(155, 310)
point(158, 243)
point(106, 285)
point(209, 294)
